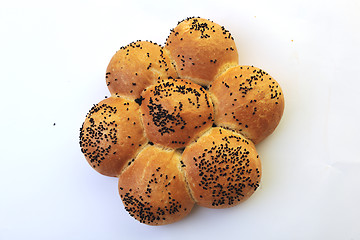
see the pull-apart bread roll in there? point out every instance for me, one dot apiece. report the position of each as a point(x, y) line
point(111, 135)
point(248, 100)
point(222, 168)
point(201, 49)
point(137, 66)
point(180, 126)
point(153, 189)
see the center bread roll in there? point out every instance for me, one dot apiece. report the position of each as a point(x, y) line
point(176, 111)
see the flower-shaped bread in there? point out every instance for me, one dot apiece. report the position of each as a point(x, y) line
point(181, 124)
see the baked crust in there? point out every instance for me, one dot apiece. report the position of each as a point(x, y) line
point(222, 168)
point(153, 189)
point(137, 66)
point(181, 123)
point(201, 49)
point(248, 100)
point(111, 135)
point(176, 111)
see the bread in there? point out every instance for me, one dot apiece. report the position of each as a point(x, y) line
point(111, 135)
point(201, 49)
point(181, 124)
point(222, 168)
point(153, 189)
point(249, 101)
point(176, 111)
point(137, 66)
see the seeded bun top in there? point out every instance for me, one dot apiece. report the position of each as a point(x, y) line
point(201, 49)
point(176, 111)
point(111, 135)
point(153, 189)
point(222, 168)
point(247, 100)
point(137, 66)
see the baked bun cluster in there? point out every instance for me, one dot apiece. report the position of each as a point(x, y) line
point(181, 124)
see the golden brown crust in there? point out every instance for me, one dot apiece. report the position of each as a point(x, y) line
point(139, 132)
point(153, 188)
point(201, 49)
point(137, 66)
point(222, 168)
point(248, 100)
point(111, 135)
point(175, 111)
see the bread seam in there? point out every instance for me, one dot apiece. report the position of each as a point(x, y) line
point(181, 170)
point(226, 126)
point(231, 128)
point(125, 97)
point(194, 80)
point(224, 68)
point(127, 164)
point(172, 61)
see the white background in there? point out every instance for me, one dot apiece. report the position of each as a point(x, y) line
point(53, 58)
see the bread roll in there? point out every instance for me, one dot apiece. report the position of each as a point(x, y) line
point(248, 100)
point(137, 66)
point(176, 111)
point(201, 49)
point(111, 135)
point(222, 168)
point(153, 189)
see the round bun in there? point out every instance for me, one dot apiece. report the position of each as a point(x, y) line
point(111, 135)
point(248, 100)
point(153, 189)
point(201, 49)
point(137, 66)
point(176, 111)
point(222, 168)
